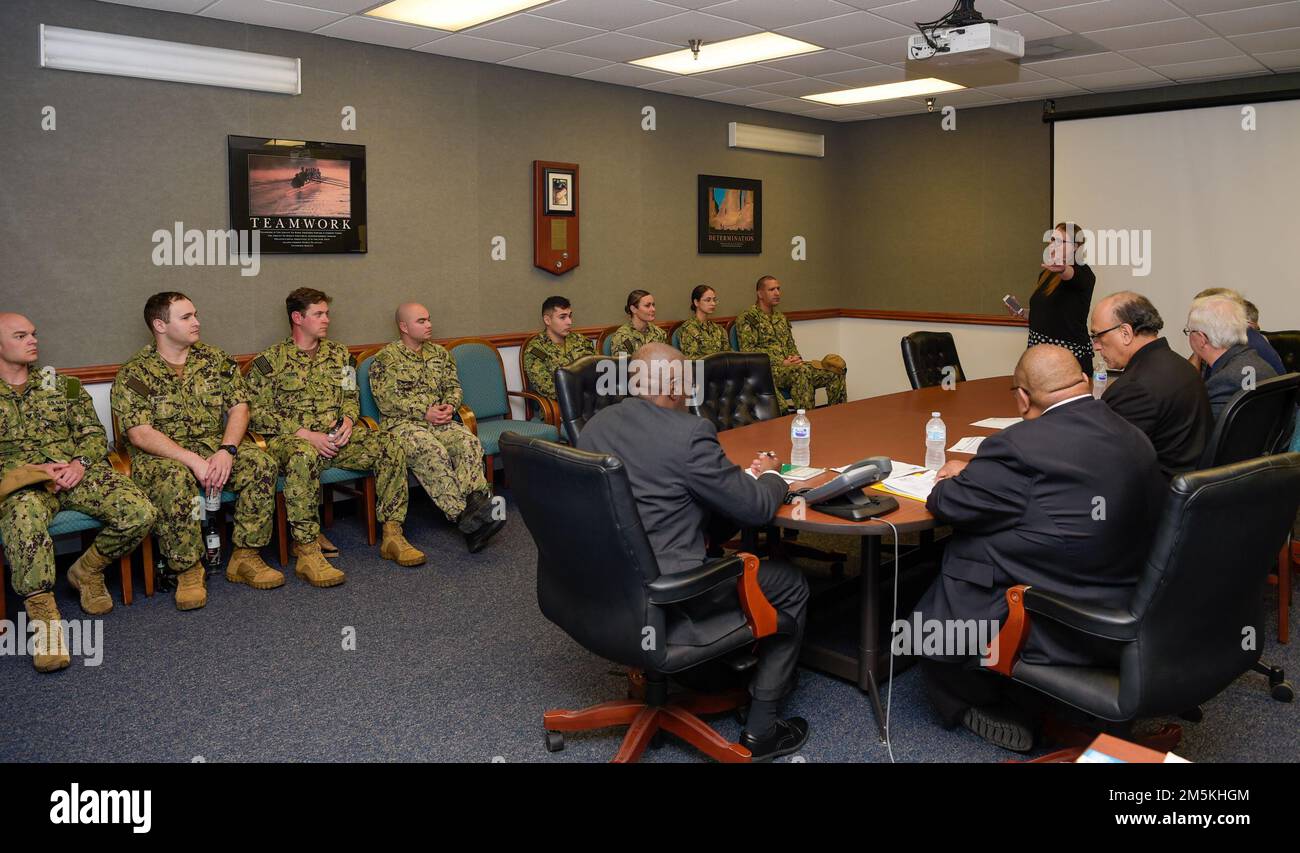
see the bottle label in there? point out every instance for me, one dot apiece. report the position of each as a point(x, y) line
point(213, 540)
point(936, 434)
point(800, 432)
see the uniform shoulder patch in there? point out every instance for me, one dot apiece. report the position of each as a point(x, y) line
point(71, 387)
point(263, 365)
point(138, 386)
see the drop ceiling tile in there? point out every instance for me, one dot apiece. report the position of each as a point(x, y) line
point(185, 6)
point(1032, 27)
point(1232, 65)
point(606, 14)
point(742, 97)
point(531, 30)
point(853, 28)
point(1214, 48)
point(1131, 77)
point(1282, 60)
point(1255, 20)
point(375, 31)
point(789, 105)
point(687, 86)
point(349, 6)
point(903, 106)
point(908, 13)
point(267, 13)
point(555, 62)
point(679, 29)
point(868, 76)
point(969, 98)
point(802, 86)
point(1105, 14)
point(1202, 7)
point(472, 47)
point(1095, 63)
point(1288, 39)
point(617, 47)
point(625, 75)
point(1151, 35)
point(772, 14)
point(747, 75)
point(822, 62)
point(885, 51)
point(1034, 89)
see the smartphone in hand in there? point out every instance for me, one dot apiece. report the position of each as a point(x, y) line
point(1013, 305)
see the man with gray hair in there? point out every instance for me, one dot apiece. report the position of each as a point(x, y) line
point(1216, 331)
point(1254, 337)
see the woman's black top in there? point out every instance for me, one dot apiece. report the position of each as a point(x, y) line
point(1061, 317)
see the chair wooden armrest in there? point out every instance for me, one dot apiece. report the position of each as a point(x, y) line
point(256, 438)
point(120, 461)
point(468, 419)
point(369, 422)
point(550, 409)
point(1011, 638)
point(759, 612)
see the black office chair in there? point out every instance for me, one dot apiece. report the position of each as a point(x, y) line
point(737, 390)
point(1287, 344)
point(1181, 635)
point(598, 580)
point(1255, 422)
point(581, 391)
point(927, 357)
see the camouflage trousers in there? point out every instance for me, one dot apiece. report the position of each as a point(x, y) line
point(175, 493)
point(446, 459)
point(801, 381)
point(366, 450)
point(103, 494)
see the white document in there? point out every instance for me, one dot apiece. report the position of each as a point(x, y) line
point(997, 423)
point(967, 445)
point(916, 485)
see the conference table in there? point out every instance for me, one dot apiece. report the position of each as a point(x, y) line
point(892, 425)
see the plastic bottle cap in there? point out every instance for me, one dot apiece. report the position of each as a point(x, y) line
point(934, 414)
point(801, 411)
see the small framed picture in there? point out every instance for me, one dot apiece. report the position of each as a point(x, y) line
point(561, 192)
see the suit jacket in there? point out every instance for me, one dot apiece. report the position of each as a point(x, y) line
point(1025, 511)
point(1229, 372)
point(679, 475)
point(1161, 394)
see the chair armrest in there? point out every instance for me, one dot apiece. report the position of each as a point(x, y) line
point(467, 418)
point(120, 461)
point(1011, 636)
point(550, 409)
point(256, 438)
point(1105, 622)
point(760, 615)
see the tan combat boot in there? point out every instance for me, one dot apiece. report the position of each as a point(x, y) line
point(312, 567)
point(247, 566)
point(327, 548)
point(395, 547)
point(50, 652)
point(191, 589)
point(87, 577)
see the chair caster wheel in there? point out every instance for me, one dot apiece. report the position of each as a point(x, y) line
point(554, 741)
point(1283, 692)
point(1193, 715)
point(1276, 676)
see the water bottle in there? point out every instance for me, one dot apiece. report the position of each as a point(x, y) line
point(800, 440)
point(936, 440)
point(1099, 381)
point(211, 539)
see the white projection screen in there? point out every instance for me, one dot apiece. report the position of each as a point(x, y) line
point(1219, 204)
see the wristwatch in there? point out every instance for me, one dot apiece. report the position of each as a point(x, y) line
point(231, 449)
point(85, 463)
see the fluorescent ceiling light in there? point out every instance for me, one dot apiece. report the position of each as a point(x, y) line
point(886, 92)
point(128, 56)
point(451, 15)
point(724, 54)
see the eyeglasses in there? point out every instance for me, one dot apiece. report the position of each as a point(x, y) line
point(1096, 336)
point(1189, 332)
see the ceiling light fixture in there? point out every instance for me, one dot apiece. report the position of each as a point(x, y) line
point(724, 54)
point(885, 92)
point(450, 15)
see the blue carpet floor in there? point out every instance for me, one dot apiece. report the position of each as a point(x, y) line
point(453, 662)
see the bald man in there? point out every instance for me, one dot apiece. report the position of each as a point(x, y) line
point(679, 476)
point(415, 386)
point(1065, 501)
point(52, 458)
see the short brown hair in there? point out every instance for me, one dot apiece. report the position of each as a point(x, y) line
point(758, 285)
point(302, 299)
point(159, 306)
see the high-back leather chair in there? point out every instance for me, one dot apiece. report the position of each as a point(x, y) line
point(926, 355)
point(737, 390)
point(604, 589)
point(1181, 635)
point(1255, 422)
point(577, 393)
point(1287, 344)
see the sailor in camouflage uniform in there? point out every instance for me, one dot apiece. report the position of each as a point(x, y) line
point(640, 329)
point(699, 336)
point(53, 456)
point(762, 328)
point(416, 388)
point(554, 348)
point(169, 401)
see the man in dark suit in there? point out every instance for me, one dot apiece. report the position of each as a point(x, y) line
point(1064, 501)
point(1216, 331)
point(1159, 392)
point(679, 475)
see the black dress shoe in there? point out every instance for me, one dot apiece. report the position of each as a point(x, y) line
point(1001, 726)
point(787, 736)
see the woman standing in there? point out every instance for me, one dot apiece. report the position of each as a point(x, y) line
point(640, 329)
point(1058, 310)
point(699, 336)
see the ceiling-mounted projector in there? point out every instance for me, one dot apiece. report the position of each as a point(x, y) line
point(966, 44)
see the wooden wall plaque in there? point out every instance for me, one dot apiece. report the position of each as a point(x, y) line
point(555, 216)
